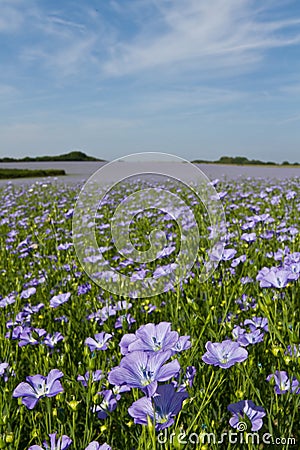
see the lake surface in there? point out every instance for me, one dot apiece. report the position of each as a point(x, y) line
point(78, 172)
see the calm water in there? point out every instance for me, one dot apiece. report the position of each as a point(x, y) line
point(79, 171)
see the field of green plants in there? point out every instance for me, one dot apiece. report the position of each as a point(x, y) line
point(28, 173)
point(202, 366)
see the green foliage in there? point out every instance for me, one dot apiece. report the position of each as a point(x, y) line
point(206, 312)
point(28, 173)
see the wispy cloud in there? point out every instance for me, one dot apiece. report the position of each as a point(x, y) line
point(11, 17)
point(201, 34)
point(160, 37)
point(65, 60)
point(116, 72)
point(65, 23)
point(182, 100)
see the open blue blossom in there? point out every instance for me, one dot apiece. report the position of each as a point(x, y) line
point(124, 319)
point(52, 339)
point(32, 337)
point(59, 299)
point(99, 343)
point(139, 275)
point(38, 386)
point(228, 254)
point(275, 277)
point(154, 338)
point(103, 314)
point(246, 408)
point(96, 376)
point(165, 404)
point(6, 371)
point(31, 309)
point(248, 237)
point(257, 322)
point(162, 271)
point(125, 342)
point(245, 339)
point(108, 404)
point(118, 390)
point(224, 354)
point(143, 370)
point(9, 300)
point(283, 383)
point(3, 367)
point(62, 443)
point(182, 344)
point(96, 446)
point(65, 246)
point(241, 259)
point(84, 289)
point(28, 292)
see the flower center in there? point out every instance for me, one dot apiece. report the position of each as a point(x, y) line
point(147, 376)
point(225, 358)
point(284, 385)
point(41, 389)
point(157, 344)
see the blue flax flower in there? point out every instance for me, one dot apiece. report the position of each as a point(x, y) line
point(6, 371)
point(276, 277)
point(61, 443)
point(59, 299)
point(246, 408)
point(161, 409)
point(154, 338)
point(283, 383)
point(257, 322)
point(96, 446)
point(96, 376)
point(108, 404)
point(100, 341)
point(224, 354)
point(143, 370)
point(38, 386)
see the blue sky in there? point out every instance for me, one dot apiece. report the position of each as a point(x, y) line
point(196, 78)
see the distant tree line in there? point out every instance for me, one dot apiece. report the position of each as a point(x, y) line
point(72, 156)
point(243, 161)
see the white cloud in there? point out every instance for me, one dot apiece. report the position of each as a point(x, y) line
point(183, 100)
point(11, 18)
point(157, 37)
point(65, 23)
point(200, 33)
